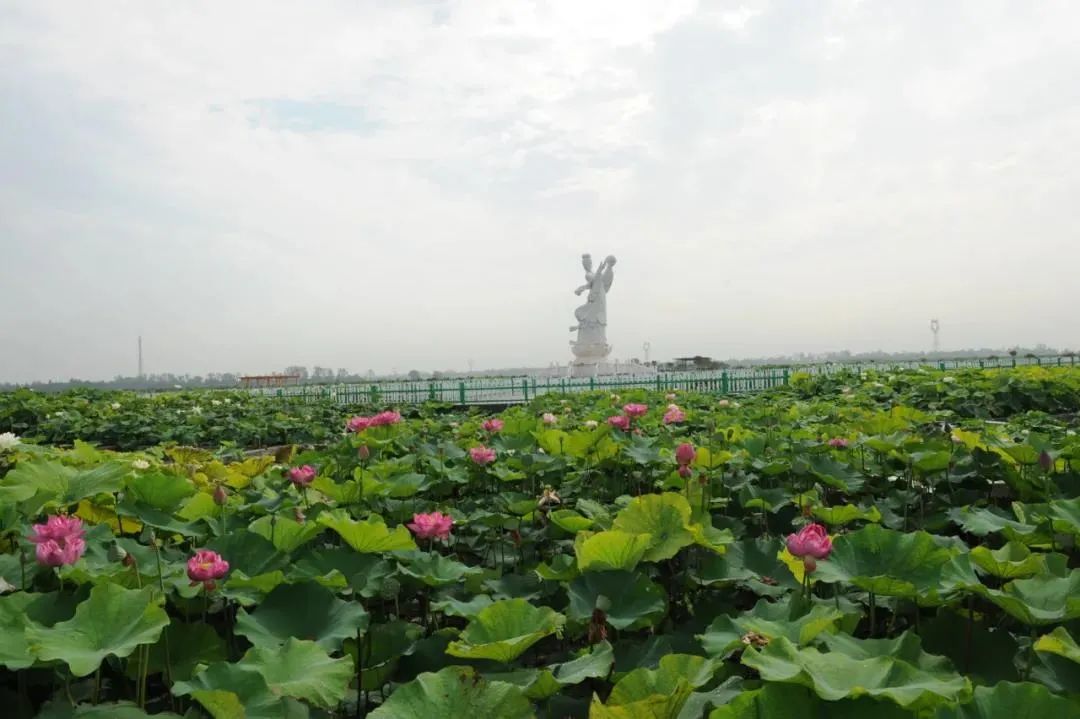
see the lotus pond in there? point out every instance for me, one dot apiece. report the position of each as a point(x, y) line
point(890, 544)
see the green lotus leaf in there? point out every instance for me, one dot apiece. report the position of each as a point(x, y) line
point(981, 522)
point(563, 568)
point(887, 562)
point(285, 533)
point(1059, 642)
point(1012, 561)
point(1043, 599)
point(515, 586)
point(159, 490)
point(629, 599)
point(664, 518)
point(596, 664)
point(370, 536)
point(504, 630)
point(897, 670)
point(980, 652)
point(655, 706)
point(306, 611)
point(112, 621)
point(1022, 700)
point(363, 572)
point(119, 710)
point(189, 646)
point(237, 691)
point(249, 553)
point(1063, 515)
point(610, 550)
point(303, 670)
point(673, 668)
point(455, 692)
point(836, 474)
point(435, 570)
point(247, 590)
point(15, 650)
point(753, 561)
point(712, 538)
point(457, 608)
point(570, 521)
point(46, 481)
point(791, 619)
point(790, 700)
point(382, 647)
point(846, 514)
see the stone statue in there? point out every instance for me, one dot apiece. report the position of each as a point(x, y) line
point(591, 347)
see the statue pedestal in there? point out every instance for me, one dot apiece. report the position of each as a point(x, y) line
point(588, 358)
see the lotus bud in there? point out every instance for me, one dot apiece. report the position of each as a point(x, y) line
point(221, 497)
point(363, 452)
point(1046, 461)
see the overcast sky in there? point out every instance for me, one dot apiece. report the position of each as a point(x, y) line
point(391, 184)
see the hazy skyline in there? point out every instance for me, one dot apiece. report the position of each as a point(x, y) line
point(411, 184)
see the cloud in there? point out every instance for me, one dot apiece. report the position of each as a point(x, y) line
point(409, 184)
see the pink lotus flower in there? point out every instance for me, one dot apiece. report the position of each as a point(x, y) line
point(685, 471)
point(810, 543)
point(674, 415)
point(433, 525)
point(635, 410)
point(363, 452)
point(358, 424)
point(59, 540)
point(205, 567)
point(57, 527)
point(685, 453)
point(383, 419)
point(838, 443)
point(492, 425)
point(482, 455)
point(549, 418)
point(619, 421)
point(302, 476)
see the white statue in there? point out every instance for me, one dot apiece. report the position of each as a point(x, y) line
point(591, 346)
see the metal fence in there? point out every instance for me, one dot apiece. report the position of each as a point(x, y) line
point(513, 390)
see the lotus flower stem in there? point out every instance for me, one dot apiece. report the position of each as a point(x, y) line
point(873, 615)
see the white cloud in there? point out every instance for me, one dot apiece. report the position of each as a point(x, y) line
point(409, 184)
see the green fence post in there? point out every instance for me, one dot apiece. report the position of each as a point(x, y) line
point(786, 376)
point(525, 386)
point(461, 392)
point(592, 384)
point(724, 383)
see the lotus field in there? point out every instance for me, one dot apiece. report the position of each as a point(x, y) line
point(885, 544)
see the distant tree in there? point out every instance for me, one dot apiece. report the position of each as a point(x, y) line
point(413, 375)
point(298, 370)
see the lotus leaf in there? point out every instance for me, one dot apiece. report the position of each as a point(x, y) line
point(504, 630)
point(455, 692)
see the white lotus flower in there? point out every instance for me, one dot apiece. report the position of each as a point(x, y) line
point(115, 405)
point(8, 440)
point(140, 464)
point(196, 409)
point(215, 402)
point(591, 424)
point(948, 380)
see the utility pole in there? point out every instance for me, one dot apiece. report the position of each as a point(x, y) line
point(935, 327)
point(140, 358)
point(646, 347)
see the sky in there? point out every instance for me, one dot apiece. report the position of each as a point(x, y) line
point(399, 184)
